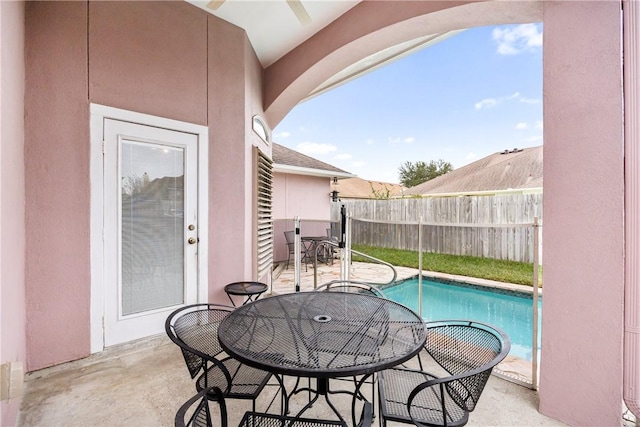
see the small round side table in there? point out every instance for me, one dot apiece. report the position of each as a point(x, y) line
point(251, 290)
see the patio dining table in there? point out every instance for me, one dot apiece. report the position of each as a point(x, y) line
point(323, 335)
point(311, 244)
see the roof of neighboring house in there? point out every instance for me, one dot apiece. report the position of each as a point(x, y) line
point(358, 188)
point(505, 170)
point(286, 160)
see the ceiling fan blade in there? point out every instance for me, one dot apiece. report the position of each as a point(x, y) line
point(300, 12)
point(215, 4)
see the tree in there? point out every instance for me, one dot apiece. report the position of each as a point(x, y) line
point(412, 174)
point(381, 194)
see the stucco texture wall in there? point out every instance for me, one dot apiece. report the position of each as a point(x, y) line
point(306, 197)
point(581, 366)
point(12, 237)
point(230, 209)
point(168, 59)
point(57, 183)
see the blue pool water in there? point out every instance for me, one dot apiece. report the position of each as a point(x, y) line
point(510, 311)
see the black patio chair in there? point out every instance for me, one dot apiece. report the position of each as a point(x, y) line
point(465, 353)
point(350, 286)
point(330, 250)
point(194, 328)
point(195, 412)
point(289, 237)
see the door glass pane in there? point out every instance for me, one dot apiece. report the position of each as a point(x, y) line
point(152, 224)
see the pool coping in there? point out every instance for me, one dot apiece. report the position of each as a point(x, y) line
point(512, 368)
point(479, 282)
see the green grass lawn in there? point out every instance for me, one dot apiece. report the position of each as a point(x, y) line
point(484, 268)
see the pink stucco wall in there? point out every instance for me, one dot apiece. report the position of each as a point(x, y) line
point(299, 195)
point(581, 367)
point(12, 245)
point(108, 53)
point(57, 183)
point(232, 77)
point(127, 69)
point(306, 197)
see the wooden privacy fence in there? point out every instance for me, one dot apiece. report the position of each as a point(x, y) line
point(490, 226)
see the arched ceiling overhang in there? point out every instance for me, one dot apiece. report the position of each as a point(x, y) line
point(371, 27)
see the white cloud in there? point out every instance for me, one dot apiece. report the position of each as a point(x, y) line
point(343, 156)
point(358, 164)
point(486, 103)
point(369, 141)
point(513, 40)
point(398, 139)
point(314, 148)
point(494, 102)
point(282, 135)
point(530, 101)
point(471, 156)
point(522, 126)
point(539, 124)
point(394, 140)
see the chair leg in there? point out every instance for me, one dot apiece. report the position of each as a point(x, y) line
point(382, 421)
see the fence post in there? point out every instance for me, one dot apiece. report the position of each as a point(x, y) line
point(420, 266)
point(536, 272)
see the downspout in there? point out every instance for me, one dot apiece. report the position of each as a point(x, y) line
point(631, 58)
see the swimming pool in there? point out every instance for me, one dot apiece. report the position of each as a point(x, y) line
point(509, 310)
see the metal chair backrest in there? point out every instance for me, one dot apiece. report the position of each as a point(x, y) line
point(194, 328)
point(468, 351)
point(350, 286)
point(201, 416)
point(289, 237)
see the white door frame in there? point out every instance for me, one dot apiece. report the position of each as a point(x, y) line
point(98, 115)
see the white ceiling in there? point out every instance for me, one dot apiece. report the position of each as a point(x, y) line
point(271, 25)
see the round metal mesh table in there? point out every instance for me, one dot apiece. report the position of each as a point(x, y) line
point(322, 334)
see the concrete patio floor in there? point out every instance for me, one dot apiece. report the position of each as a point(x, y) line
point(144, 383)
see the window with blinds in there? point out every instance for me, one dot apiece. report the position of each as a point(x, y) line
point(264, 211)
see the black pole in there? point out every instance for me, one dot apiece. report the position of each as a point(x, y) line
point(343, 223)
point(298, 238)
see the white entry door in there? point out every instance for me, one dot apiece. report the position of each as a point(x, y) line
point(150, 227)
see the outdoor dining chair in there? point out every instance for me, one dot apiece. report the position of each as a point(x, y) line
point(350, 286)
point(447, 389)
point(305, 258)
point(330, 249)
point(196, 412)
point(194, 328)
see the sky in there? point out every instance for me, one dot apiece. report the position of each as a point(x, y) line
point(471, 95)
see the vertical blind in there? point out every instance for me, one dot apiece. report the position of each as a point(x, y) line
point(152, 223)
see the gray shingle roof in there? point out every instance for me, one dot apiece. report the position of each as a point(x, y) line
point(285, 156)
point(511, 169)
